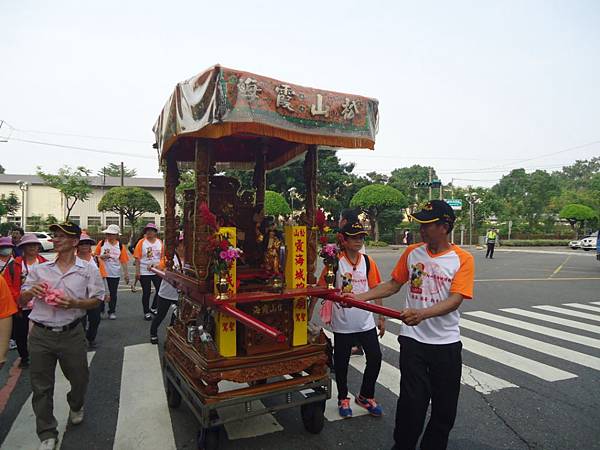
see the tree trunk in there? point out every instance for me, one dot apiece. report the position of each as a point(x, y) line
point(376, 227)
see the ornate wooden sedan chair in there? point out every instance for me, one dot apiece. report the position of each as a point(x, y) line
point(256, 332)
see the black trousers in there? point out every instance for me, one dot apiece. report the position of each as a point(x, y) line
point(490, 249)
point(428, 372)
point(20, 331)
point(113, 289)
point(91, 322)
point(147, 281)
point(163, 308)
point(342, 347)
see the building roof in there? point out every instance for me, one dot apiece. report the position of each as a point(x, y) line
point(96, 181)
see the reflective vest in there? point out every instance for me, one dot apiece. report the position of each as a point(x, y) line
point(491, 237)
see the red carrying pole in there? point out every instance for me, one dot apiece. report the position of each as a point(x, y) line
point(389, 312)
point(251, 322)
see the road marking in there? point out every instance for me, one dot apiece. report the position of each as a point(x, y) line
point(552, 332)
point(553, 319)
point(559, 268)
point(546, 252)
point(517, 362)
point(480, 381)
point(22, 435)
point(568, 312)
point(584, 307)
point(14, 374)
point(533, 344)
point(247, 428)
point(595, 303)
point(144, 420)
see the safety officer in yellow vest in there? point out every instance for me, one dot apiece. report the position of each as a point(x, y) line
point(490, 238)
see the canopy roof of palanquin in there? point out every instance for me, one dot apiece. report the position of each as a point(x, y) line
point(236, 109)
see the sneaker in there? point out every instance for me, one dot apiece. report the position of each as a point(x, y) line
point(370, 405)
point(76, 417)
point(12, 344)
point(112, 316)
point(147, 316)
point(154, 340)
point(103, 315)
point(24, 364)
point(154, 311)
point(344, 408)
point(357, 351)
point(48, 444)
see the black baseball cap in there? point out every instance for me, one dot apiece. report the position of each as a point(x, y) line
point(354, 229)
point(67, 227)
point(434, 211)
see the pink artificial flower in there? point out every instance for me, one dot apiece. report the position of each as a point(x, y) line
point(223, 255)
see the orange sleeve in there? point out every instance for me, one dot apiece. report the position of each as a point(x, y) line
point(400, 272)
point(374, 277)
point(137, 253)
point(123, 257)
point(98, 249)
point(8, 306)
point(464, 279)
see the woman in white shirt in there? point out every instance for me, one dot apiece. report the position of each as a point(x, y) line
point(148, 253)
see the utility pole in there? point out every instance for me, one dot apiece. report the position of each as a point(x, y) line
point(121, 224)
point(430, 170)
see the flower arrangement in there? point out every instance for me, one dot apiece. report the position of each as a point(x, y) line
point(328, 251)
point(329, 254)
point(223, 253)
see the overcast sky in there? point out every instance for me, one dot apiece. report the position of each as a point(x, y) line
point(473, 88)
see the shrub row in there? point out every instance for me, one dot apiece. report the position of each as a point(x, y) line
point(535, 243)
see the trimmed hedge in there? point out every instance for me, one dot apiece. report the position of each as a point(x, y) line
point(535, 243)
point(376, 244)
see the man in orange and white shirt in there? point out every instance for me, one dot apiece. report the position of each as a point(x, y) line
point(440, 276)
point(148, 253)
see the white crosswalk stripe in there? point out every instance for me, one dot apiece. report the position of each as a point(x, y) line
point(584, 307)
point(568, 312)
point(553, 319)
point(22, 434)
point(595, 303)
point(552, 332)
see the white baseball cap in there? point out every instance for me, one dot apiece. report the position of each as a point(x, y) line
point(112, 229)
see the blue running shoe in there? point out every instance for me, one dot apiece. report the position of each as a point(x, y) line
point(344, 408)
point(370, 405)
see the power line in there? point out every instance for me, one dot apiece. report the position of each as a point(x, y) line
point(85, 149)
point(83, 136)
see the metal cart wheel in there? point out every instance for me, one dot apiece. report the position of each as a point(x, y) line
point(173, 395)
point(207, 439)
point(313, 416)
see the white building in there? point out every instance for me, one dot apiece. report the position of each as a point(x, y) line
point(37, 200)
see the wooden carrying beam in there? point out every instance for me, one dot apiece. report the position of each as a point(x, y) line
point(384, 311)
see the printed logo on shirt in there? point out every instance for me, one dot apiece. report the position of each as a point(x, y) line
point(149, 253)
point(347, 282)
point(417, 271)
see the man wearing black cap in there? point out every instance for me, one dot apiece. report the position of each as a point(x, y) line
point(62, 290)
point(440, 276)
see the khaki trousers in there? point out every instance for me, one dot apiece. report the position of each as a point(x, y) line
point(46, 347)
point(5, 332)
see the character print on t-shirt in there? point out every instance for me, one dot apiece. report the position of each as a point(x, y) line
point(347, 282)
point(417, 271)
point(149, 253)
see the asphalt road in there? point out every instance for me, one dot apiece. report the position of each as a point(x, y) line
point(530, 379)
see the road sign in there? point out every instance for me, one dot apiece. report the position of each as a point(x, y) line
point(455, 203)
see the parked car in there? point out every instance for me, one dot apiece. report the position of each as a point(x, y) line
point(575, 244)
point(590, 242)
point(46, 241)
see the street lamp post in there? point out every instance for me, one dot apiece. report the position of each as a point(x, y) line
point(292, 192)
point(472, 198)
point(23, 186)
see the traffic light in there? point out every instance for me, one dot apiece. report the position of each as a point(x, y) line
point(422, 184)
point(436, 183)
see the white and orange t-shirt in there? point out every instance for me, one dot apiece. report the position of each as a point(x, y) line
point(111, 266)
point(148, 253)
point(431, 279)
point(353, 278)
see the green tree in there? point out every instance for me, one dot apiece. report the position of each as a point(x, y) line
point(577, 214)
point(376, 198)
point(9, 205)
point(132, 202)
point(73, 184)
point(114, 170)
point(276, 205)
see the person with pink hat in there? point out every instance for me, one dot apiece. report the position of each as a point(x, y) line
point(148, 253)
point(15, 274)
point(6, 252)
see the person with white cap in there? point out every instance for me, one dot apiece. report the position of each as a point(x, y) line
point(148, 253)
point(15, 274)
point(112, 260)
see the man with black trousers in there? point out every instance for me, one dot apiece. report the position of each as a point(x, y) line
point(440, 276)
